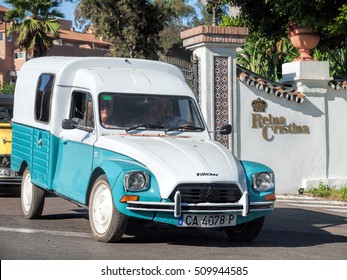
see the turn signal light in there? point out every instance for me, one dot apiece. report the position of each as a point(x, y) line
point(270, 197)
point(127, 198)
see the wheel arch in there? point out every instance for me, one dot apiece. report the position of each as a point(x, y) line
point(111, 169)
point(96, 174)
point(22, 168)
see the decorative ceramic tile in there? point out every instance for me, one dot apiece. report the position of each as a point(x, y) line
point(198, 90)
point(221, 111)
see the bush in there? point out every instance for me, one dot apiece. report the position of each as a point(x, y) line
point(322, 190)
point(326, 191)
point(7, 88)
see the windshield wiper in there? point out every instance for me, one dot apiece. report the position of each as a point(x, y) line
point(185, 127)
point(144, 127)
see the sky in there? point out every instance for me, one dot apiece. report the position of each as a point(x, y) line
point(67, 8)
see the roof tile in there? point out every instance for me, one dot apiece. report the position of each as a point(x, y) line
point(269, 87)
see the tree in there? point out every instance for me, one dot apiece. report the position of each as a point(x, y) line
point(268, 23)
point(271, 18)
point(7, 88)
point(36, 23)
point(265, 57)
point(132, 27)
point(180, 16)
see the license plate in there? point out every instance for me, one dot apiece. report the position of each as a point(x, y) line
point(7, 173)
point(202, 220)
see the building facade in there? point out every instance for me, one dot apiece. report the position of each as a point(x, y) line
point(70, 43)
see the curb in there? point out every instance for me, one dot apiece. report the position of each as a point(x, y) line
point(308, 199)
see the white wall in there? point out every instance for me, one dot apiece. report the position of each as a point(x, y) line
point(293, 157)
point(337, 137)
point(298, 160)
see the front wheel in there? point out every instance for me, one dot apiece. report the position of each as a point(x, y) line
point(32, 197)
point(107, 223)
point(246, 232)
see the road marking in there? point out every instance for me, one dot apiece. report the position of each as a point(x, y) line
point(52, 232)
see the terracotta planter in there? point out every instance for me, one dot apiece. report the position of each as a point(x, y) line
point(304, 40)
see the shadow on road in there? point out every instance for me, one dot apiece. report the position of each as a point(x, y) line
point(10, 191)
point(285, 227)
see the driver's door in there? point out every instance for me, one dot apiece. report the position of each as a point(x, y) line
point(76, 147)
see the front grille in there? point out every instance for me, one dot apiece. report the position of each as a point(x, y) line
point(216, 193)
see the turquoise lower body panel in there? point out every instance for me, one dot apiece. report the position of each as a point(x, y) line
point(73, 170)
point(22, 141)
point(40, 173)
point(35, 148)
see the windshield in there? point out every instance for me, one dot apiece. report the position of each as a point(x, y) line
point(141, 111)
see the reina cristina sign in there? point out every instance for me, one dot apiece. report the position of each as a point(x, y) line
point(271, 125)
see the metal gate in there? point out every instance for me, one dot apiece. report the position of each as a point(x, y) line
point(190, 70)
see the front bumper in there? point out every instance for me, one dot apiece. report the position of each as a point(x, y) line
point(243, 206)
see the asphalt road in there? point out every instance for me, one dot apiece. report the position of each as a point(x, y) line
point(298, 229)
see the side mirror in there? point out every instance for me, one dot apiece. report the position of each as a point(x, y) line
point(225, 129)
point(68, 124)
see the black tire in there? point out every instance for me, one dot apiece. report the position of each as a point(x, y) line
point(246, 232)
point(106, 222)
point(32, 197)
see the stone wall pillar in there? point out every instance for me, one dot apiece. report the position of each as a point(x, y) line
point(311, 78)
point(308, 77)
point(215, 48)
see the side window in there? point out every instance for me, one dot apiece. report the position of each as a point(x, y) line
point(82, 110)
point(43, 97)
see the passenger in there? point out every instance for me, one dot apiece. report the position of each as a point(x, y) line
point(105, 113)
point(160, 113)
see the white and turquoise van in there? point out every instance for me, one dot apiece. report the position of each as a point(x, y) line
point(126, 139)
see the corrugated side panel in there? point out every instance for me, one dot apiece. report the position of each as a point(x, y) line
point(31, 145)
point(40, 163)
point(22, 140)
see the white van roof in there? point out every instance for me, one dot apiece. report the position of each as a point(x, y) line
point(66, 67)
point(95, 74)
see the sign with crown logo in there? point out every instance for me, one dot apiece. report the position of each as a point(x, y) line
point(259, 105)
point(271, 125)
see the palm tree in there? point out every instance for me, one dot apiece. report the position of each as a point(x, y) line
point(36, 23)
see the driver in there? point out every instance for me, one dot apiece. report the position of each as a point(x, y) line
point(160, 113)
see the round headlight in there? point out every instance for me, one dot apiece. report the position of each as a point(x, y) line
point(263, 181)
point(136, 181)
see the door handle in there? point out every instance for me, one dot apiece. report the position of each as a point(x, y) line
point(63, 140)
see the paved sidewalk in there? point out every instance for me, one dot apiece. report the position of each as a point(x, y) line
point(308, 199)
point(305, 201)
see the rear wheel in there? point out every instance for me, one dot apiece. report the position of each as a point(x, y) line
point(246, 232)
point(107, 223)
point(32, 197)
